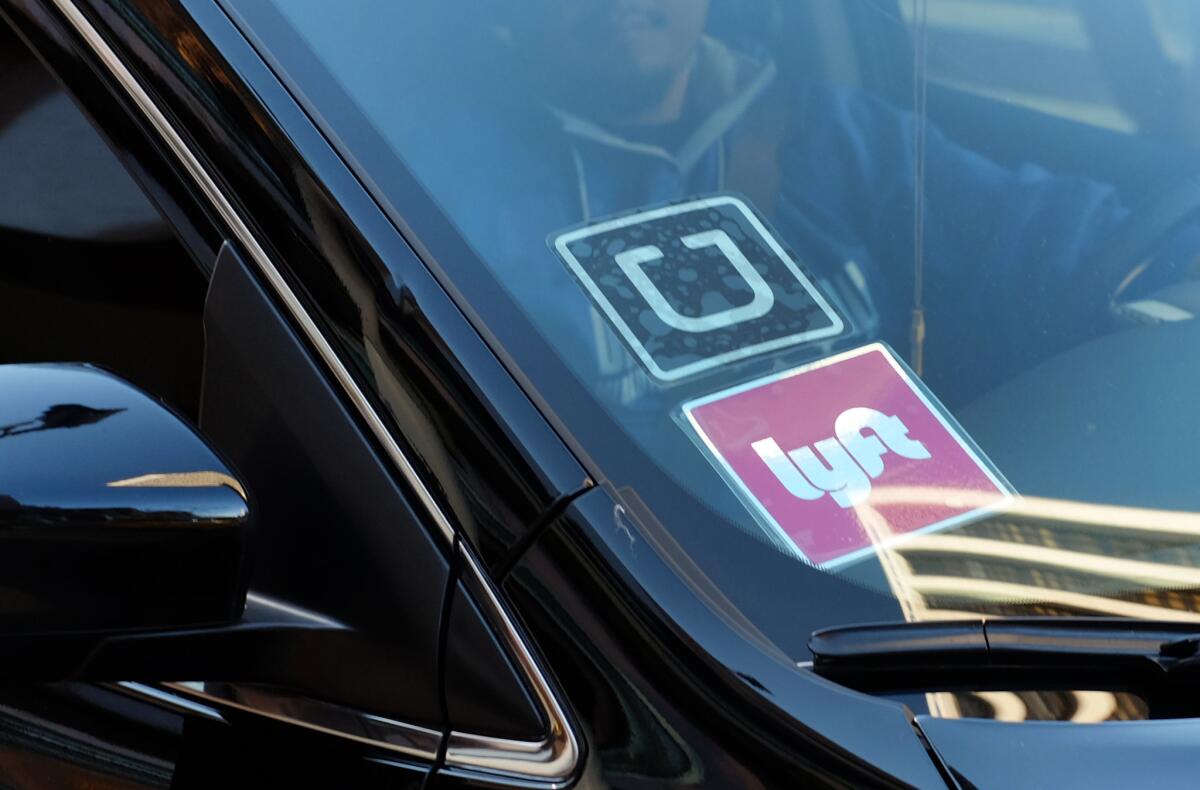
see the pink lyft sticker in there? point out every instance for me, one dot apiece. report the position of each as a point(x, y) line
point(844, 455)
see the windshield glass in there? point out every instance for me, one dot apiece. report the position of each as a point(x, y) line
point(866, 309)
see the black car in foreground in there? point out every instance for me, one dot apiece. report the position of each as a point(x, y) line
point(589, 393)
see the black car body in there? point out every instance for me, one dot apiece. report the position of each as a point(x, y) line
point(508, 614)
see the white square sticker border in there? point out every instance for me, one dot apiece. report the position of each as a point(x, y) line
point(777, 533)
point(561, 245)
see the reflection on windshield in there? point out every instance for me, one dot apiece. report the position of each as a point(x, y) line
point(1043, 557)
point(1081, 707)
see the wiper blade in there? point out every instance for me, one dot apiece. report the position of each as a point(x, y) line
point(1077, 652)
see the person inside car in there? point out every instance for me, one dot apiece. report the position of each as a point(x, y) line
point(637, 103)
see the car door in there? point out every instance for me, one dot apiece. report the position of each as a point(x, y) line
point(348, 530)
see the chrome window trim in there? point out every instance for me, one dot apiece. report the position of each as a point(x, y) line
point(552, 761)
point(557, 755)
point(165, 698)
point(381, 732)
point(410, 740)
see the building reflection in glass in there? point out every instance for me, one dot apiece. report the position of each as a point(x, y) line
point(1042, 557)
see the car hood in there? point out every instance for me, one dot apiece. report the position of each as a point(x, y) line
point(994, 754)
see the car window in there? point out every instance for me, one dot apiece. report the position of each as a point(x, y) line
point(1103, 55)
point(862, 342)
point(88, 269)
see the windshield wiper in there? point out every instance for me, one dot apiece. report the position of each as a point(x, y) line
point(1050, 652)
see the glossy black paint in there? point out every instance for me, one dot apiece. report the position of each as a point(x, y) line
point(137, 147)
point(337, 535)
point(87, 725)
point(556, 477)
point(81, 735)
point(1156, 660)
point(249, 751)
point(993, 754)
point(263, 646)
point(684, 696)
point(114, 514)
point(494, 462)
point(120, 738)
point(487, 694)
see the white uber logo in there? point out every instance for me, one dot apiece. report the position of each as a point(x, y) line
point(631, 262)
point(844, 464)
point(696, 285)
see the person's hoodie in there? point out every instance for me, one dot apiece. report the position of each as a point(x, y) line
point(833, 172)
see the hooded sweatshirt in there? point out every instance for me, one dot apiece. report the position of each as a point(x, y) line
point(834, 174)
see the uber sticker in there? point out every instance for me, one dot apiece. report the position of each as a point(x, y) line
point(697, 285)
point(844, 455)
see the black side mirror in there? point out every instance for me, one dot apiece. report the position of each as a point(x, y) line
point(115, 516)
point(123, 544)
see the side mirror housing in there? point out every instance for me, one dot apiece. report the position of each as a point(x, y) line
point(115, 516)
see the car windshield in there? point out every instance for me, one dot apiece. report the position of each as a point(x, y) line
point(862, 309)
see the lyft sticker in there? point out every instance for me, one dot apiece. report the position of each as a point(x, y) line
point(845, 455)
point(696, 285)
